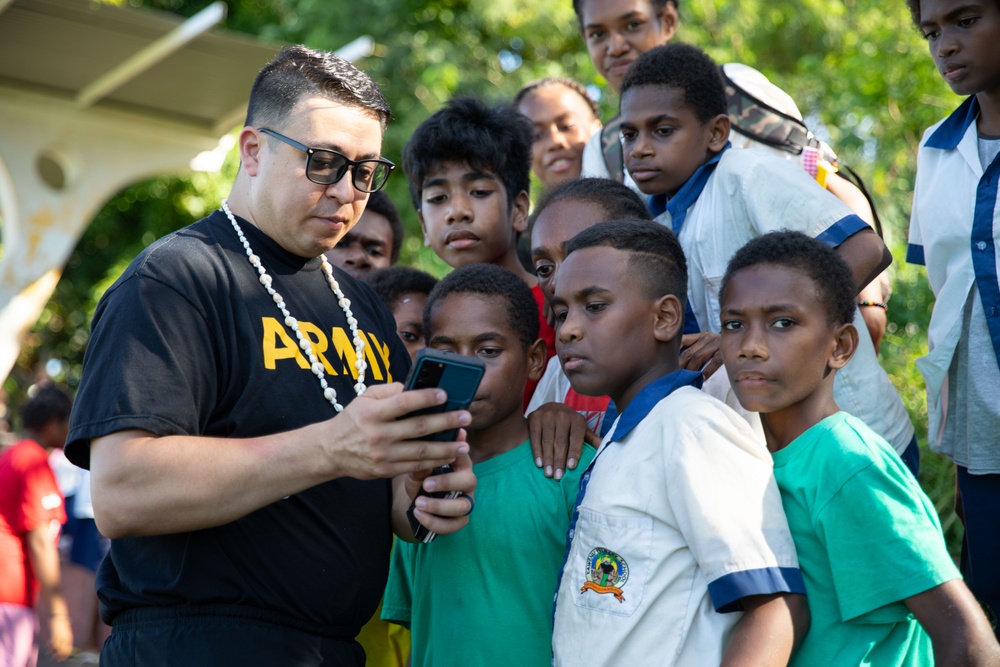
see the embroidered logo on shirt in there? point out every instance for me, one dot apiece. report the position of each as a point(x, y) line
point(607, 572)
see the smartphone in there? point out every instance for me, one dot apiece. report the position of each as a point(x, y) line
point(459, 376)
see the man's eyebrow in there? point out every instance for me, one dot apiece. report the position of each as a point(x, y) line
point(441, 339)
point(340, 149)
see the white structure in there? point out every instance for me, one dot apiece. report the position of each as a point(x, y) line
point(94, 97)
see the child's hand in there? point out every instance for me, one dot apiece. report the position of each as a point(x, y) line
point(700, 352)
point(444, 515)
point(557, 434)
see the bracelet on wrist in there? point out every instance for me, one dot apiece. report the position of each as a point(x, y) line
point(874, 304)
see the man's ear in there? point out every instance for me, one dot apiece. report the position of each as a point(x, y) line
point(537, 360)
point(520, 213)
point(668, 21)
point(668, 318)
point(250, 145)
point(845, 344)
point(718, 131)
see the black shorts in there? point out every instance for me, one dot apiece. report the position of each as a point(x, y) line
point(166, 638)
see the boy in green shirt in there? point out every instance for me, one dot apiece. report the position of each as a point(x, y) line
point(487, 597)
point(881, 587)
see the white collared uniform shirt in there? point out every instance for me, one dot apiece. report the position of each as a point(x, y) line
point(680, 516)
point(955, 233)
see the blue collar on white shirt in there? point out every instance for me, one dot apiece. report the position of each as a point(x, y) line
point(649, 396)
point(983, 245)
point(679, 204)
point(950, 132)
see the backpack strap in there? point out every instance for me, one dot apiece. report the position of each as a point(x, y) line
point(611, 149)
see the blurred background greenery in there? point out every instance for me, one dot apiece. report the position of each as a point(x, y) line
point(858, 69)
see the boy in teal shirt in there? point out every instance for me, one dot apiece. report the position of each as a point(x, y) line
point(881, 587)
point(471, 600)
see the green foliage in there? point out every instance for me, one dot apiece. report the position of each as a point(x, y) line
point(858, 69)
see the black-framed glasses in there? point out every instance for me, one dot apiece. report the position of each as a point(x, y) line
point(325, 167)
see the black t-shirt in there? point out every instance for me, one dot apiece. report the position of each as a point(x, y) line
point(189, 342)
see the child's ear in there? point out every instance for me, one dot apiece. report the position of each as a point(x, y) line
point(521, 205)
point(718, 131)
point(668, 318)
point(249, 143)
point(845, 338)
point(668, 21)
point(536, 360)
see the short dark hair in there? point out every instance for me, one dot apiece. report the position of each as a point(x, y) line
point(829, 273)
point(575, 86)
point(298, 71)
point(656, 259)
point(494, 282)
point(617, 200)
point(657, 5)
point(379, 202)
point(393, 282)
point(488, 139)
point(49, 404)
point(686, 68)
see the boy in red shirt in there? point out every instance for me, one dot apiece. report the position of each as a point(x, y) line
point(31, 512)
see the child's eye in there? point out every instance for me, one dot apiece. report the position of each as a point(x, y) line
point(566, 127)
point(634, 25)
point(596, 306)
point(595, 35)
point(560, 316)
point(490, 352)
point(544, 270)
point(732, 325)
point(481, 193)
point(967, 22)
point(408, 336)
point(628, 135)
point(375, 251)
point(435, 199)
point(783, 323)
point(664, 131)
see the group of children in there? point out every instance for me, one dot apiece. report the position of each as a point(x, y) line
point(768, 513)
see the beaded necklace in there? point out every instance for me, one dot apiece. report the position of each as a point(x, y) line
point(315, 365)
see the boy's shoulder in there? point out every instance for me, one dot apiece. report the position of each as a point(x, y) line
point(691, 417)
point(837, 450)
point(948, 132)
point(749, 163)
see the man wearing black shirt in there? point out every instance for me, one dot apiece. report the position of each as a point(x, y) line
point(250, 519)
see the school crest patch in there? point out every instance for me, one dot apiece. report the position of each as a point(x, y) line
point(606, 573)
